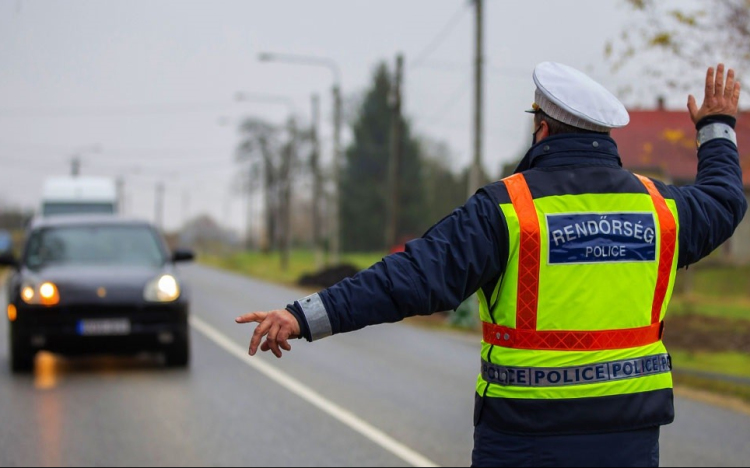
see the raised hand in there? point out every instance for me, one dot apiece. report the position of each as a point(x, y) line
point(720, 99)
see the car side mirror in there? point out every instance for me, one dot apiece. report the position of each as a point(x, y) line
point(8, 259)
point(183, 255)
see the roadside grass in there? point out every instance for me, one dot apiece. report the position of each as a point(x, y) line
point(267, 266)
point(713, 290)
point(731, 307)
point(726, 363)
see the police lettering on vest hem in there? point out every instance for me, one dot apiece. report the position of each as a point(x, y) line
point(576, 375)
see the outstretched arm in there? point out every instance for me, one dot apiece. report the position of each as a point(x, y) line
point(462, 253)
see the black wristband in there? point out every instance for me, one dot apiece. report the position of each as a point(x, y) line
point(304, 328)
point(710, 119)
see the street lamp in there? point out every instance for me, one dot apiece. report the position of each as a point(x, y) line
point(331, 65)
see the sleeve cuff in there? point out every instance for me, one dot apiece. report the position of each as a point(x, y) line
point(716, 130)
point(314, 312)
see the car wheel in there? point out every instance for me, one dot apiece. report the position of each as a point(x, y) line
point(21, 357)
point(178, 355)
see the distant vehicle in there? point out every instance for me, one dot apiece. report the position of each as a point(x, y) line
point(96, 284)
point(79, 195)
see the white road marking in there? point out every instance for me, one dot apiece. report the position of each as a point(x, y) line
point(306, 393)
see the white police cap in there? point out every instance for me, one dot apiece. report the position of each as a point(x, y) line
point(567, 95)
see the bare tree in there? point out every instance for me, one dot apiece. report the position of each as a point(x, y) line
point(261, 146)
point(698, 34)
point(274, 156)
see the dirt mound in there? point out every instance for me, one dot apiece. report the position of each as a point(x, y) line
point(328, 276)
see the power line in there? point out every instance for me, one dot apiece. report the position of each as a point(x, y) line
point(452, 100)
point(116, 111)
point(443, 34)
point(173, 153)
point(449, 66)
point(128, 111)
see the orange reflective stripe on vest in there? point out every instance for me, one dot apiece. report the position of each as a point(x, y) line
point(525, 335)
point(529, 253)
point(668, 229)
point(599, 340)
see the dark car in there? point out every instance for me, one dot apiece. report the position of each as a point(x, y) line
point(96, 285)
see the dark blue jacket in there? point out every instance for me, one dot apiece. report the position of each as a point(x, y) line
point(468, 249)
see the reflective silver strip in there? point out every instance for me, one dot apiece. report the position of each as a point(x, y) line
point(317, 317)
point(579, 375)
point(714, 131)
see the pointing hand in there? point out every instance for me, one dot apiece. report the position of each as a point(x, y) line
point(277, 326)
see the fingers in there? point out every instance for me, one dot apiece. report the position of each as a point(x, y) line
point(710, 83)
point(277, 340)
point(719, 83)
point(258, 335)
point(266, 347)
point(252, 317)
point(273, 345)
point(283, 340)
point(692, 107)
point(729, 89)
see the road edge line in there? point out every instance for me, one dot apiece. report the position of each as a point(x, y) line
point(311, 396)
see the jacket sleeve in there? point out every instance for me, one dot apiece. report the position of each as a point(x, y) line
point(712, 208)
point(436, 273)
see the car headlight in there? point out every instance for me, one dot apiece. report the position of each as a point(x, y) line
point(45, 294)
point(162, 289)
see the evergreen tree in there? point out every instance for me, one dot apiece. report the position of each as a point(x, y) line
point(364, 178)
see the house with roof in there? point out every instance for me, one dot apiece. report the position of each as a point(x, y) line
point(660, 143)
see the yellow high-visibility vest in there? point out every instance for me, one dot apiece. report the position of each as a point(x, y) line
point(579, 310)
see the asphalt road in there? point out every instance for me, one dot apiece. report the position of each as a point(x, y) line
point(391, 395)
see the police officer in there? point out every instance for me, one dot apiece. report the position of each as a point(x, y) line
point(573, 259)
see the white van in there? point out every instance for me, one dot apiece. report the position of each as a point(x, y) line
point(79, 195)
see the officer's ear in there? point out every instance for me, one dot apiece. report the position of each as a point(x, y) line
point(543, 130)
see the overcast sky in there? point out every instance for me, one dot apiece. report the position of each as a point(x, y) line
point(149, 82)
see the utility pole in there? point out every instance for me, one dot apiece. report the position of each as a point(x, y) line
point(317, 225)
point(336, 205)
point(394, 166)
point(121, 195)
point(75, 166)
point(185, 207)
point(288, 155)
point(475, 175)
point(159, 206)
point(249, 210)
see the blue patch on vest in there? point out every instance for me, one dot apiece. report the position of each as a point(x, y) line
point(601, 238)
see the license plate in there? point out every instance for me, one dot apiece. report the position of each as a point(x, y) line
point(109, 327)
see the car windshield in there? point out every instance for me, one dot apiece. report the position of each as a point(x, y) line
point(94, 245)
point(53, 209)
